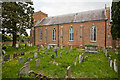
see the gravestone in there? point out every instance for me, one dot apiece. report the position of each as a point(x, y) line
point(75, 60)
point(3, 52)
point(56, 53)
point(68, 72)
point(66, 52)
point(48, 47)
point(27, 64)
point(17, 45)
point(29, 59)
point(71, 47)
point(115, 65)
point(42, 47)
point(61, 46)
point(35, 55)
point(52, 56)
point(38, 49)
point(15, 55)
point(23, 71)
point(106, 53)
point(80, 59)
point(37, 62)
point(21, 59)
point(22, 53)
point(6, 57)
point(111, 63)
point(109, 60)
point(45, 51)
point(60, 53)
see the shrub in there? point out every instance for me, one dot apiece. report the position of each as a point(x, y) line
point(4, 47)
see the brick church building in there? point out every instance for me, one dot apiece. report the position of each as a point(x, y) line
point(76, 29)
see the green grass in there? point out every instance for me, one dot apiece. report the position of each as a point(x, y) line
point(95, 66)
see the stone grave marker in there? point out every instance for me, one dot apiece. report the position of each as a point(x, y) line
point(17, 45)
point(106, 53)
point(15, 55)
point(60, 53)
point(6, 57)
point(3, 52)
point(66, 52)
point(24, 71)
point(45, 51)
point(38, 49)
point(75, 60)
point(71, 47)
point(35, 55)
point(27, 64)
point(109, 59)
point(56, 53)
point(52, 56)
point(115, 65)
point(22, 53)
point(42, 47)
point(111, 63)
point(29, 59)
point(21, 59)
point(68, 72)
point(80, 60)
point(48, 47)
point(37, 62)
point(61, 46)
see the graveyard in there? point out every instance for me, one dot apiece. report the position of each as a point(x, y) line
point(54, 62)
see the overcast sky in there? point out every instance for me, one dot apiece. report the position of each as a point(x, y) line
point(60, 7)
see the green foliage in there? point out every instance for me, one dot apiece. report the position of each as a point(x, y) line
point(6, 38)
point(115, 28)
point(16, 18)
point(4, 47)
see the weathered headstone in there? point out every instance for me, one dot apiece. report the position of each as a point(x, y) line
point(15, 55)
point(45, 51)
point(80, 59)
point(75, 60)
point(29, 59)
point(61, 46)
point(35, 55)
point(115, 65)
point(27, 64)
point(52, 56)
point(38, 49)
point(56, 53)
point(21, 59)
point(22, 53)
point(60, 53)
point(37, 62)
point(68, 72)
point(42, 47)
point(6, 57)
point(111, 63)
point(17, 45)
point(106, 53)
point(23, 71)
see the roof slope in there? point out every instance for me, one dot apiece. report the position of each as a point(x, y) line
point(75, 17)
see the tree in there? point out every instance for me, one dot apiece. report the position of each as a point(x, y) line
point(16, 18)
point(115, 28)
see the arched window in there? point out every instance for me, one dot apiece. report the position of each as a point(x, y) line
point(93, 34)
point(54, 34)
point(40, 35)
point(71, 34)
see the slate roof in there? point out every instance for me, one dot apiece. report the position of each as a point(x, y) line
point(72, 18)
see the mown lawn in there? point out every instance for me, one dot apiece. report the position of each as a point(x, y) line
point(94, 66)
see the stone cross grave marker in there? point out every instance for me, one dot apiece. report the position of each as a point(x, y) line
point(45, 51)
point(6, 57)
point(80, 59)
point(37, 62)
point(15, 55)
point(56, 53)
point(75, 60)
point(60, 53)
point(111, 63)
point(22, 53)
point(27, 64)
point(35, 55)
point(52, 56)
point(21, 59)
point(68, 72)
point(115, 65)
point(24, 71)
